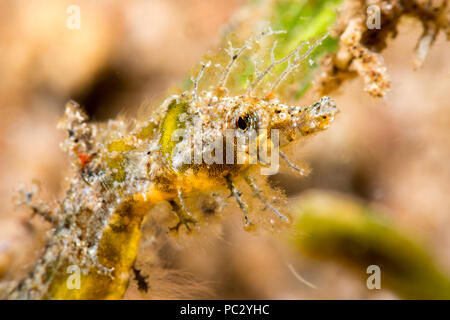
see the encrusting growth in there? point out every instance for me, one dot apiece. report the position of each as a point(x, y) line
point(120, 173)
point(360, 39)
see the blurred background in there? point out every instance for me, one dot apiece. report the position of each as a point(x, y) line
point(392, 153)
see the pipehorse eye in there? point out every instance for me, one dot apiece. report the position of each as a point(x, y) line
point(242, 124)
